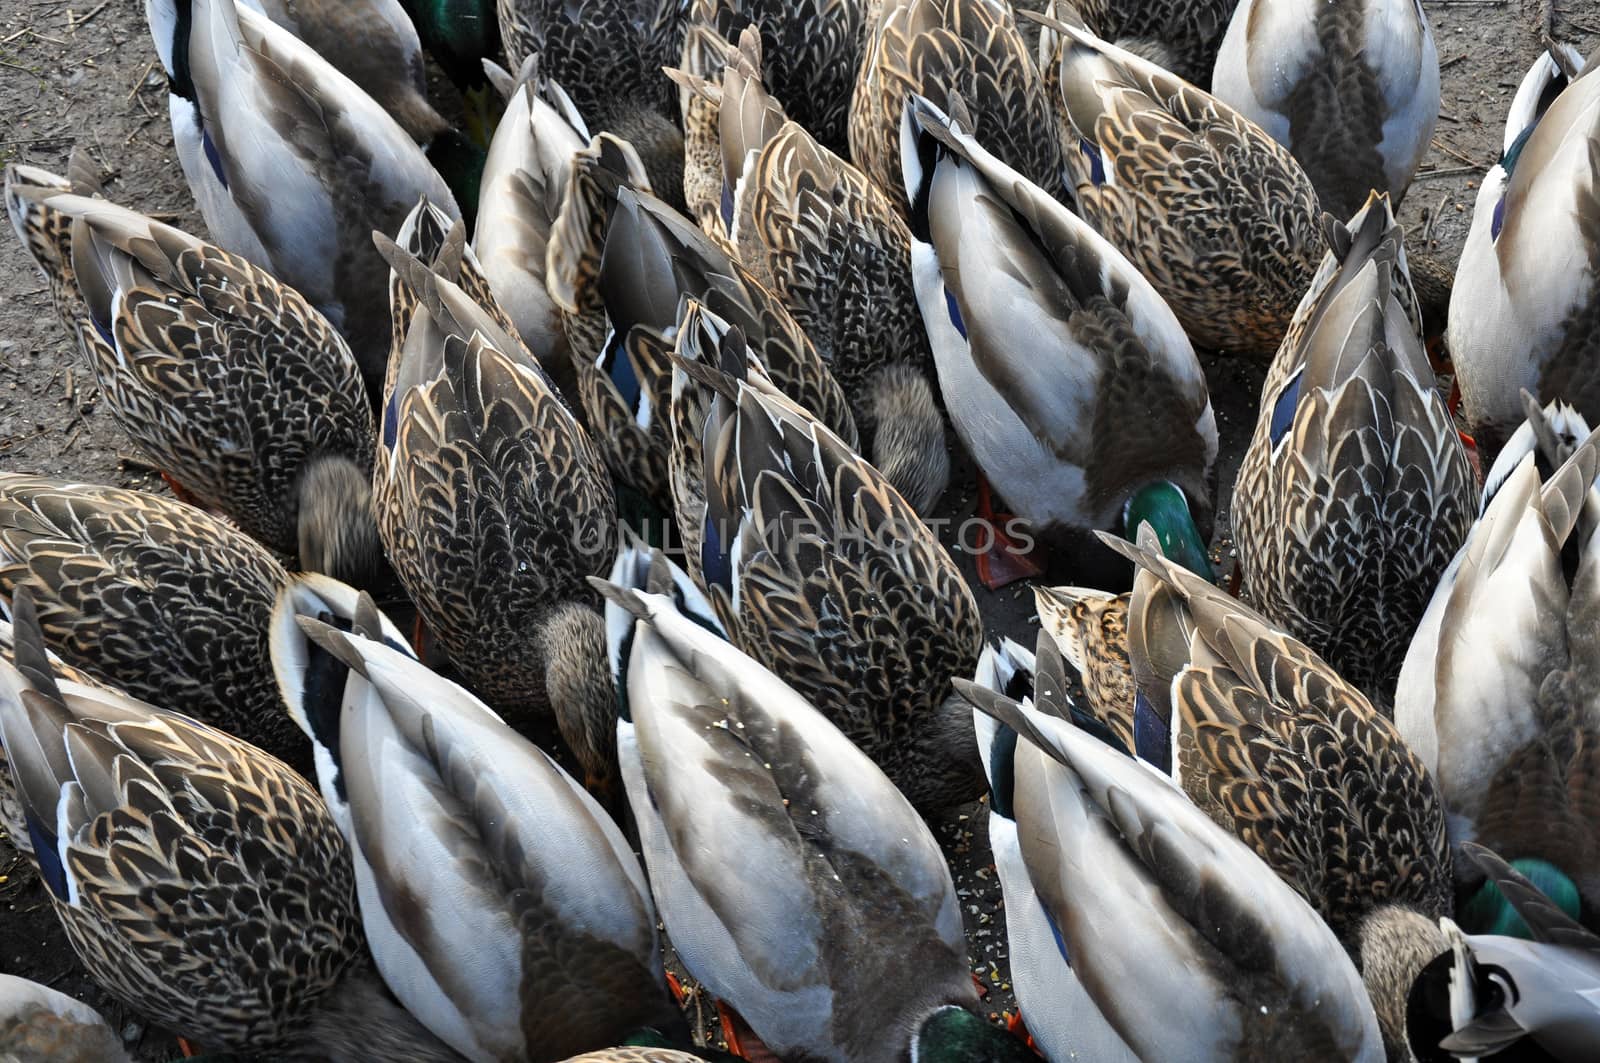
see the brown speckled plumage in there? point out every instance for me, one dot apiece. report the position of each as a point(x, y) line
point(1216, 214)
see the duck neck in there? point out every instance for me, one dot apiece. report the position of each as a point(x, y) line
point(955, 1035)
point(360, 1020)
point(577, 680)
point(1163, 505)
point(1395, 942)
point(337, 526)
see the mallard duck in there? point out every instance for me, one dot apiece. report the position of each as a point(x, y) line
point(1355, 491)
point(1062, 1020)
point(1503, 993)
point(637, 1055)
point(461, 35)
point(1070, 381)
point(494, 890)
point(1546, 79)
point(832, 246)
point(200, 880)
point(609, 56)
point(291, 164)
point(840, 938)
point(821, 571)
point(153, 596)
point(1526, 292)
point(1154, 932)
point(524, 183)
point(1496, 691)
point(654, 261)
point(1089, 628)
point(946, 50)
point(374, 44)
point(809, 53)
point(239, 390)
point(492, 502)
point(38, 1023)
point(1350, 88)
point(1278, 749)
point(1217, 214)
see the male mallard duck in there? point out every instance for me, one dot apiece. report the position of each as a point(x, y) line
point(291, 164)
point(374, 44)
point(153, 596)
point(833, 247)
point(1069, 380)
point(461, 35)
point(201, 881)
point(796, 883)
point(822, 572)
point(1217, 214)
point(609, 55)
point(1277, 748)
point(1508, 998)
point(808, 55)
point(1127, 892)
point(524, 183)
point(1527, 292)
point(1497, 689)
point(494, 890)
point(241, 392)
point(492, 501)
point(1545, 80)
point(654, 261)
point(1355, 491)
point(946, 50)
point(1062, 1021)
point(1350, 87)
point(38, 1024)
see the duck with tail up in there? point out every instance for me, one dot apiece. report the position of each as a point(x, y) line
point(291, 164)
point(492, 500)
point(531, 934)
point(833, 247)
point(1355, 491)
point(1526, 302)
point(1067, 377)
point(1219, 216)
point(244, 396)
point(1499, 689)
point(1129, 902)
point(1350, 88)
point(840, 937)
point(1279, 750)
point(201, 881)
point(821, 571)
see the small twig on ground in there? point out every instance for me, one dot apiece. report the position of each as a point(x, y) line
point(1433, 219)
point(138, 82)
point(84, 21)
point(1453, 171)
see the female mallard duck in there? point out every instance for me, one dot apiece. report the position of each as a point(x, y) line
point(654, 261)
point(373, 43)
point(1120, 893)
point(1069, 380)
point(38, 1023)
point(201, 881)
point(1496, 692)
point(1277, 748)
point(1217, 214)
point(524, 183)
point(494, 890)
point(1355, 491)
point(609, 55)
point(1508, 998)
point(808, 55)
point(946, 50)
point(1089, 628)
point(291, 164)
point(840, 935)
point(1527, 292)
point(1351, 88)
point(492, 502)
point(152, 596)
point(821, 571)
point(833, 247)
point(240, 391)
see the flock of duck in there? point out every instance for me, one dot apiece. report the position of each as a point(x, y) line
point(632, 388)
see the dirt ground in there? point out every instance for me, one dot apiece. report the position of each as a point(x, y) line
point(74, 73)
